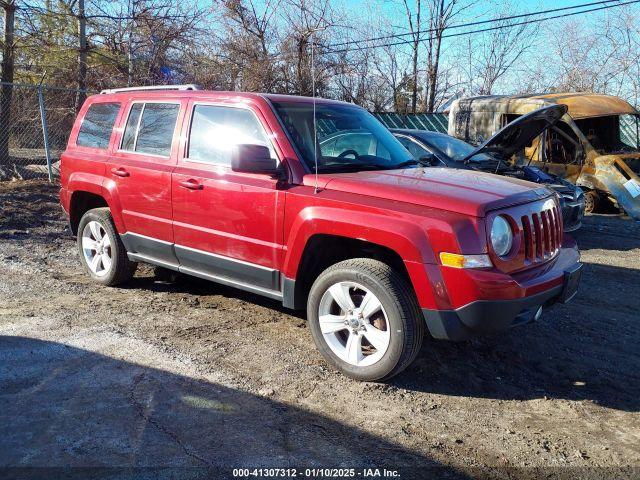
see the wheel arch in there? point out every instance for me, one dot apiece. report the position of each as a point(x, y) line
point(87, 192)
point(323, 250)
point(402, 240)
point(81, 202)
point(323, 229)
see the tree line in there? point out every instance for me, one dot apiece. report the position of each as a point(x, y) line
point(267, 45)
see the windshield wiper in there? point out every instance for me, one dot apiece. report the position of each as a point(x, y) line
point(413, 161)
point(353, 166)
point(372, 166)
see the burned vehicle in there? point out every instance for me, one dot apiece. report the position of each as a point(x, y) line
point(438, 149)
point(596, 145)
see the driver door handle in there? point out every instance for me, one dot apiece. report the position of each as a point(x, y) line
point(191, 185)
point(120, 172)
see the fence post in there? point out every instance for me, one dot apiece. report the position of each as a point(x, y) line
point(45, 132)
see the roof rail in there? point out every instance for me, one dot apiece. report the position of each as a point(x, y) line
point(189, 86)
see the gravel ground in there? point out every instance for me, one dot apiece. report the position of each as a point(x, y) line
point(186, 373)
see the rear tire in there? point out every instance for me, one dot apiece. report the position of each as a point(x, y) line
point(365, 319)
point(101, 250)
point(591, 201)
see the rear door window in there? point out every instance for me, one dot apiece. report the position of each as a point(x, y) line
point(150, 128)
point(97, 125)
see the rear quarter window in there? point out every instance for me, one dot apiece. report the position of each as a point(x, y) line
point(97, 125)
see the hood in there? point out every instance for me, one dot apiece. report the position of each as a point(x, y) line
point(521, 132)
point(462, 191)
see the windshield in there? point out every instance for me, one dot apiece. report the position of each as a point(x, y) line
point(612, 134)
point(348, 138)
point(454, 148)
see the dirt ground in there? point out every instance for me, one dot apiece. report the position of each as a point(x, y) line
point(194, 377)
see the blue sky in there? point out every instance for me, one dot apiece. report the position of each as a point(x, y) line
point(479, 9)
point(393, 10)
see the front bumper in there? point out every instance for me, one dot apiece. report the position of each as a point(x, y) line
point(482, 317)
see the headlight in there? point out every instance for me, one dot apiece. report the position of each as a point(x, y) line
point(501, 236)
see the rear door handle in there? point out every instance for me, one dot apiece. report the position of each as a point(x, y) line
point(120, 172)
point(191, 185)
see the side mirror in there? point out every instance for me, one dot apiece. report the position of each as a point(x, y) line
point(430, 159)
point(253, 159)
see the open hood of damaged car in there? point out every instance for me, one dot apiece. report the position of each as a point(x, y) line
point(520, 133)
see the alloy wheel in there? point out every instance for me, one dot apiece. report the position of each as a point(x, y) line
point(354, 324)
point(96, 248)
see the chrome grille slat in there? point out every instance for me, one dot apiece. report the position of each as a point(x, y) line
point(528, 238)
point(553, 229)
point(546, 232)
point(537, 228)
point(559, 229)
point(556, 224)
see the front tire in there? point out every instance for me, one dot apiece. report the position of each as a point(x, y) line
point(101, 250)
point(365, 319)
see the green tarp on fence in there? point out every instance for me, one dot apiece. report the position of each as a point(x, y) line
point(435, 122)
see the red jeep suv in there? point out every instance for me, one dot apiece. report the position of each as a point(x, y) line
point(313, 203)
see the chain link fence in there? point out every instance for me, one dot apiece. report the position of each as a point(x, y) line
point(34, 128)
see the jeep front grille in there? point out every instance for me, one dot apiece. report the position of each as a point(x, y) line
point(542, 234)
